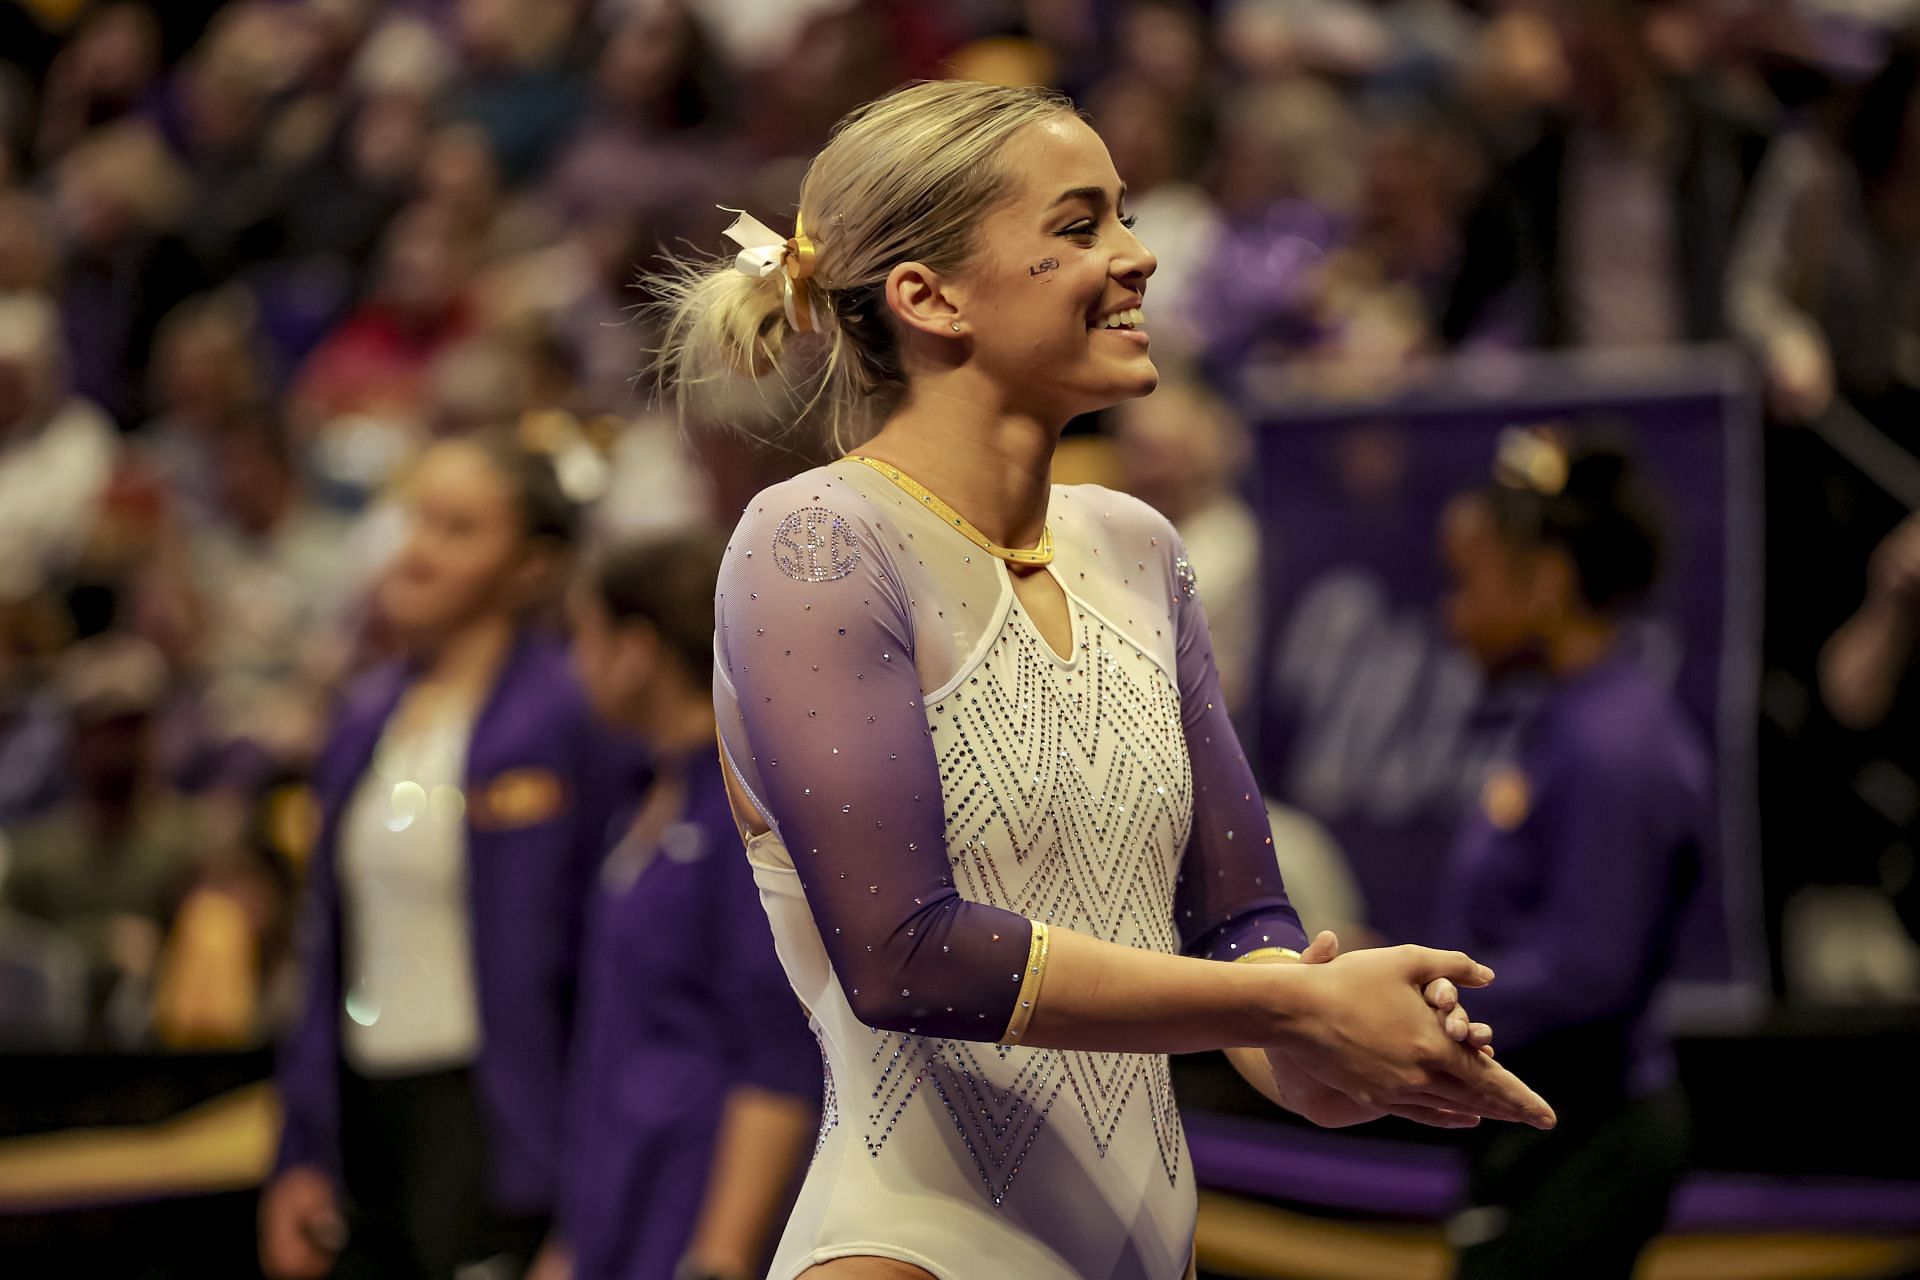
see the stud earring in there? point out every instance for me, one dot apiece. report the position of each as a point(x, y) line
point(956, 326)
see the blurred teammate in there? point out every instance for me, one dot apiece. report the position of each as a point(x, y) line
point(696, 1082)
point(1570, 879)
point(461, 820)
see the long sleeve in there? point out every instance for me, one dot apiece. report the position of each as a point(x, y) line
point(814, 636)
point(1230, 899)
point(1779, 252)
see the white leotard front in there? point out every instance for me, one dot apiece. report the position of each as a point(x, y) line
point(944, 777)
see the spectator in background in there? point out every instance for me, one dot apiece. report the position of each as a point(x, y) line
point(319, 242)
point(206, 371)
point(1570, 879)
point(1867, 672)
point(1613, 222)
point(361, 396)
point(107, 866)
point(1825, 285)
point(462, 817)
point(106, 70)
point(119, 199)
point(656, 137)
point(28, 259)
point(1180, 450)
point(275, 595)
point(56, 452)
point(518, 88)
point(696, 1083)
point(1865, 664)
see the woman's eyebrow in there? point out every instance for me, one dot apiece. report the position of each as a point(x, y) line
point(1095, 196)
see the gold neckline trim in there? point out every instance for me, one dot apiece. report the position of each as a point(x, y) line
point(1042, 554)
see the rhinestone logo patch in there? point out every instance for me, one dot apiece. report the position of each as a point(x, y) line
point(815, 544)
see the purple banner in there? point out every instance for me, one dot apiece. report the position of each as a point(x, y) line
point(1367, 719)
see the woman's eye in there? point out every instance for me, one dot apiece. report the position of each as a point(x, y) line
point(1079, 231)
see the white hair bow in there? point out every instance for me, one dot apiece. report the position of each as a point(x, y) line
point(762, 252)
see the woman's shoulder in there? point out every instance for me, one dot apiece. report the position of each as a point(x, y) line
point(1104, 516)
point(1625, 721)
point(829, 490)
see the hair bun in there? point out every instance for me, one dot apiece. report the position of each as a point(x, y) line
point(1599, 473)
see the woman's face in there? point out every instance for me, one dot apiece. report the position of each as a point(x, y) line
point(1489, 587)
point(466, 555)
point(1054, 262)
point(614, 663)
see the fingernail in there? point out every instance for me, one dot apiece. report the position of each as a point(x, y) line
point(1485, 974)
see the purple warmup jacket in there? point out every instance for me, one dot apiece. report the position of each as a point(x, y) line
point(539, 775)
point(1570, 878)
point(682, 999)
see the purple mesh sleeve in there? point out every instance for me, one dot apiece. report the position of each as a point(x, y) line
point(1230, 899)
point(816, 638)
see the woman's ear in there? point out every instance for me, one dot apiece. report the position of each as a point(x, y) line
point(923, 299)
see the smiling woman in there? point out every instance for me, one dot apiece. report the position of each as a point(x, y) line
point(1004, 832)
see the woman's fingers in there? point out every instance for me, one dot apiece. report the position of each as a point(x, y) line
point(1438, 1117)
point(1442, 994)
point(1324, 947)
point(1428, 964)
point(1500, 1088)
point(1458, 1025)
point(1479, 1036)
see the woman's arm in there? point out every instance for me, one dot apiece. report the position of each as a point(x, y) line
point(1862, 665)
point(814, 636)
point(761, 1146)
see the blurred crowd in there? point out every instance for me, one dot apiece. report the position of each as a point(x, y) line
point(255, 257)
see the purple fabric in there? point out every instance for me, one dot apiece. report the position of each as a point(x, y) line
point(528, 885)
point(853, 785)
point(1386, 1178)
point(1230, 899)
point(682, 1000)
point(1574, 896)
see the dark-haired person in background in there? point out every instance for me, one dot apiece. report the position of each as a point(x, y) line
point(1570, 878)
point(695, 1082)
point(462, 817)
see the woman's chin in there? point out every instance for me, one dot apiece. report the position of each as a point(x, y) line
point(1139, 379)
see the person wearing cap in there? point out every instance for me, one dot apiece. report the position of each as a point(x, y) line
point(107, 866)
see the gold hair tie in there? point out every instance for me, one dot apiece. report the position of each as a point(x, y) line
point(1042, 554)
point(762, 252)
point(1531, 458)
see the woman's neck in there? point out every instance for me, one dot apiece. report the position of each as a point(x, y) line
point(992, 466)
point(466, 664)
point(1581, 645)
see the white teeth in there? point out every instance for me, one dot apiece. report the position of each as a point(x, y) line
point(1130, 319)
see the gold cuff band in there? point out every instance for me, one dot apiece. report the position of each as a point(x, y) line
point(1029, 985)
point(1268, 955)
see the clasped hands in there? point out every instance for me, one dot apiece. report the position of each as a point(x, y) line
point(1376, 1052)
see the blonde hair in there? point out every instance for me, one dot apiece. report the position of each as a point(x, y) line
point(907, 177)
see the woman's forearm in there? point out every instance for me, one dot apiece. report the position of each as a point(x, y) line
point(763, 1138)
point(1106, 997)
point(1861, 665)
